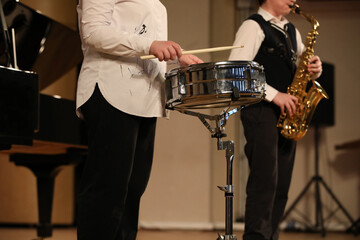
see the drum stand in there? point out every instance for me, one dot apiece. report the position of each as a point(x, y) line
point(228, 189)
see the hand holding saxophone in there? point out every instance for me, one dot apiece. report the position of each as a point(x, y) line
point(286, 102)
point(315, 67)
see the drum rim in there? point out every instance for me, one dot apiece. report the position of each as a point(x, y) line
point(194, 67)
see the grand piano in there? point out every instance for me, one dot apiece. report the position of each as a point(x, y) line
point(38, 131)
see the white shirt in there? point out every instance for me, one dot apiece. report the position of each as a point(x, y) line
point(114, 33)
point(251, 36)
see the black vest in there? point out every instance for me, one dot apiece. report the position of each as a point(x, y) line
point(277, 53)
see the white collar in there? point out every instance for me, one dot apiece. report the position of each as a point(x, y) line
point(269, 17)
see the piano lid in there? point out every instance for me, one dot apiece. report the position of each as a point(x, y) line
point(43, 45)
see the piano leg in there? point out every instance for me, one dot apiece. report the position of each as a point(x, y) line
point(45, 168)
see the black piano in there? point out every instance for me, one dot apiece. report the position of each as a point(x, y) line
point(38, 131)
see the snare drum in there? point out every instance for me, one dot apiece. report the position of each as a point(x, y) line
point(215, 85)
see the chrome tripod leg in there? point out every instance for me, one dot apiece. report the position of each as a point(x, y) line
point(228, 189)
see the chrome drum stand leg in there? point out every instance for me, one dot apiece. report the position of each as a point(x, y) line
point(228, 189)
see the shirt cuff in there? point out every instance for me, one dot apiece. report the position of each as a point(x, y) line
point(270, 93)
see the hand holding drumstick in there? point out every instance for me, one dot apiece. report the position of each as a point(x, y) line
point(166, 50)
point(169, 50)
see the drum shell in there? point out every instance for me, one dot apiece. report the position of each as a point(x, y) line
point(216, 84)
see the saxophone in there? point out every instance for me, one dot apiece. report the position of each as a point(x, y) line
point(295, 127)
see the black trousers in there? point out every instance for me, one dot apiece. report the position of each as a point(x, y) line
point(116, 172)
point(271, 160)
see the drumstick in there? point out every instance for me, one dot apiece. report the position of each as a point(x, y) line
point(204, 50)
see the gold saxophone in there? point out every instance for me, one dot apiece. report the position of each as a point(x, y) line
point(295, 127)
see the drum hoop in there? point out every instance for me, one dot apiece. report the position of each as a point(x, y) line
point(218, 80)
point(213, 65)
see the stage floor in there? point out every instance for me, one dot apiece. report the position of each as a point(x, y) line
point(70, 234)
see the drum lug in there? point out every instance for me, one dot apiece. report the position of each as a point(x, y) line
point(235, 95)
point(182, 83)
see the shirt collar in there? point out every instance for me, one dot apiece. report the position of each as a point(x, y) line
point(269, 17)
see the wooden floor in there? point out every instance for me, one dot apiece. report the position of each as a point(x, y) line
point(70, 234)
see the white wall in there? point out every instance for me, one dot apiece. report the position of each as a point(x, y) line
point(178, 194)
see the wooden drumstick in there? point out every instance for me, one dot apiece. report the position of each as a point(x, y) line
point(204, 50)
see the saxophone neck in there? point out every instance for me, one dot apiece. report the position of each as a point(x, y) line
point(296, 9)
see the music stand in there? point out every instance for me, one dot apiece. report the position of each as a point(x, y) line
point(5, 40)
point(318, 181)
